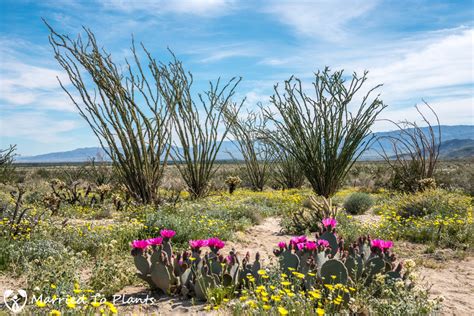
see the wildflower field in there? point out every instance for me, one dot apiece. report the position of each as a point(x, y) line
point(91, 253)
point(295, 191)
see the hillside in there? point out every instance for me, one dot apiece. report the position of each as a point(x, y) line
point(457, 142)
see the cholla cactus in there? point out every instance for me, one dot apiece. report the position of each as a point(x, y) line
point(117, 200)
point(52, 202)
point(103, 190)
point(315, 209)
point(426, 184)
point(232, 183)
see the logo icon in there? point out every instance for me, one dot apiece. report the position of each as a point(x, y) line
point(15, 300)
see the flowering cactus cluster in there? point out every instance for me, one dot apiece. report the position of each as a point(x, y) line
point(190, 273)
point(319, 261)
point(325, 260)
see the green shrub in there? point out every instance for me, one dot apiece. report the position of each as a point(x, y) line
point(111, 272)
point(358, 203)
point(431, 201)
point(187, 226)
point(22, 253)
point(436, 216)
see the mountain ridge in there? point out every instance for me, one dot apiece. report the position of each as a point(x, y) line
point(457, 142)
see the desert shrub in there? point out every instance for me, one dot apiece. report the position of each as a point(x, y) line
point(21, 254)
point(54, 276)
point(187, 227)
point(456, 175)
point(358, 203)
point(111, 272)
point(435, 216)
point(17, 219)
point(307, 218)
point(88, 236)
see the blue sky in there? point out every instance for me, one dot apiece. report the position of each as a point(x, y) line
point(417, 49)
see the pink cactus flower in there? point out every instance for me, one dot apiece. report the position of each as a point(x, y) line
point(155, 241)
point(300, 246)
point(197, 244)
point(376, 243)
point(167, 233)
point(323, 242)
point(387, 244)
point(297, 240)
point(311, 245)
point(282, 245)
point(140, 244)
point(215, 243)
point(381, 244)
point(329, 222)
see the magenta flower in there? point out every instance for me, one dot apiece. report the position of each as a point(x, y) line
point(387, 244)
point(300, 246)
point(215, 243)
point(155, 241)
point(329, 222)
point(323, 242)
point(197, 244)
point(282, 245)
point(297, 240)
point(310, 245)
point(376, 243)
point(167, 233)
point(139, 244)
point(381, 244)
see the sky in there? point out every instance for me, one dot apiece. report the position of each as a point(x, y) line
point(416, 49)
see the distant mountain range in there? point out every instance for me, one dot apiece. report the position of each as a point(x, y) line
point(457, 142)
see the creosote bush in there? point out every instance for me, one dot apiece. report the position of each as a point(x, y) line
point(358, 203)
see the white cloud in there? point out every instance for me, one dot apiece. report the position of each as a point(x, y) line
point(444, 63)
point(37, 127)
point(206, 8)
point(323, 19)
point(24, 84)
point(218, 53)
point(450, 112)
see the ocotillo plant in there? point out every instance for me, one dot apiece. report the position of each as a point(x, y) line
point(321, 133)
point(258, 153)
point(123, 108)
point(6, 163)
point(199, 136)
point(415, 152)
point(287, 172)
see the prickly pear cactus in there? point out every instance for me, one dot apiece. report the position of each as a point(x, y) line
point(333, 271)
